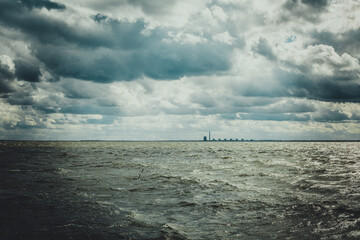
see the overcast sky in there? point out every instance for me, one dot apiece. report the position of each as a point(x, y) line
point(175, 69)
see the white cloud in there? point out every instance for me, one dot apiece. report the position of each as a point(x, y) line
point(224, 37)
point(184, 38)
point(219, 13)
point(7, 61)
point(341, 16)
point(319, 60)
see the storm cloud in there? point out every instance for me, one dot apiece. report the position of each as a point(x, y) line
point(344, 42)
point(116, 50)
point(7, 76)
point(42, 3)
point(27, 71)
point(308, 10)
point(182, 65)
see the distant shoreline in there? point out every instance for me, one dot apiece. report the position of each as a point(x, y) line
point(216, 141)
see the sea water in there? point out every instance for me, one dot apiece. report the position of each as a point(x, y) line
point(179, 190)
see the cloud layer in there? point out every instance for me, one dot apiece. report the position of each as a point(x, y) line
point(91, 66)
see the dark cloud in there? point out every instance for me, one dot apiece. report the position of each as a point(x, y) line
point(22, 96)
point(27, 71)
point(5, 87)
point(17, 92)
point(308, 10)
point(6, 79)
point(158, 60)
point(120, 52)
point(99, 17)
point(341, 87)
point(42, 4)
point(323, 88)
point(253, 89)
point(263, 48)
point(13, 91)
point(173, 60)
point(47, 30)
point(317, 4)
point(344, 42)
point(328, 115)
point(5, 72)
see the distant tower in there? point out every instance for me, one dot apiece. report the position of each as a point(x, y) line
point(204, 138)
point(209, 136)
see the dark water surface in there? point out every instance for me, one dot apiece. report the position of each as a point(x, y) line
point(179, 190)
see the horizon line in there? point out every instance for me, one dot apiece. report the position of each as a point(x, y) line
point(178, 140)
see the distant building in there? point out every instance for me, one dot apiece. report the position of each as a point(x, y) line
point(205, 138)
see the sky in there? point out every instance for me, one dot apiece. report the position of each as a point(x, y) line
point(175, 69)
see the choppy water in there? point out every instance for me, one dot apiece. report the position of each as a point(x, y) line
point(179, 190)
